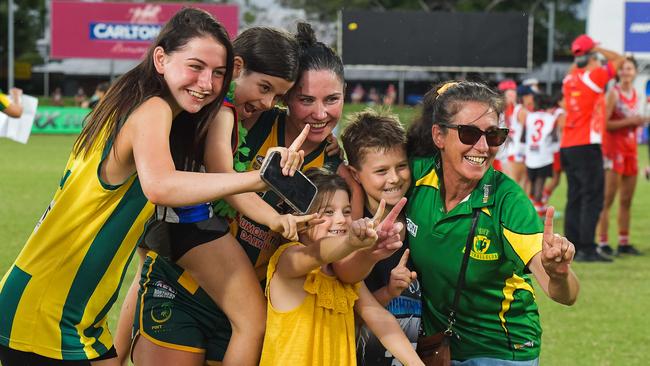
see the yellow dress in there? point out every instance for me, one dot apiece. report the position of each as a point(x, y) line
point(319, 331)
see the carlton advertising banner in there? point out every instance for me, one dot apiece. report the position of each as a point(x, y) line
point(119, 30)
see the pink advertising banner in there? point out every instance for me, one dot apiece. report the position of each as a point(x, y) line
point(119, 30)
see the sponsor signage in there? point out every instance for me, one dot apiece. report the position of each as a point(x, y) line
point(637, 27)
point(119, 30)
point(59, 120)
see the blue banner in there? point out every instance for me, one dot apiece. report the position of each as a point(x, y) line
point(637, 27)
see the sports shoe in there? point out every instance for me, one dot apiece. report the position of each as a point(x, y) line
point(591, 255)
point(627, 249)
point(647, 173)
point(605, 249)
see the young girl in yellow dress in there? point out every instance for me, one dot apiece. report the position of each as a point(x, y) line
point(310, 313)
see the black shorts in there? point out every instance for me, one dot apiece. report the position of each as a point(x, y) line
point(544, 172)
point(12, 357)
point(173, 240)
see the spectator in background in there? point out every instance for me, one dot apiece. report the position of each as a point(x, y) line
point(647, 168)
point(80, 98)
point(11, 107)
point(580, 153)
point(532, 83)
point(100, 91)
point(391, 95)
point(357, 94)
point(373, 97)
point(508, 88)
point(57, 97)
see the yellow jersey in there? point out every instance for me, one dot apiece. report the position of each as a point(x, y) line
point(319, 331)
point(55, 297)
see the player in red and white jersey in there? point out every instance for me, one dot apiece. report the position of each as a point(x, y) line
point(620, 156)
point(560, 119)
point(584, 89)
point(516, 169)
point(540, 145)
point(508, 88)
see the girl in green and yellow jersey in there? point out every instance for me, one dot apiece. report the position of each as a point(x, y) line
point(55, 297)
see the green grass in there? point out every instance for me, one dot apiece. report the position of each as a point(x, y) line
point(607, 326)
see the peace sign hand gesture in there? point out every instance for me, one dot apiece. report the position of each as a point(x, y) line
point(388, 231)
point(557, 251)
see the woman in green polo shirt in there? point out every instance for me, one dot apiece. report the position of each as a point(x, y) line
point(452, 147)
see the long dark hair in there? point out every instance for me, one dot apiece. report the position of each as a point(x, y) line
point(143, 82)
point(440, 105)
point(268, 51)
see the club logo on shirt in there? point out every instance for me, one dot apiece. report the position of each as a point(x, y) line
point(411, 227)
point(480, 248)
point(161, 313)
point(257, 162)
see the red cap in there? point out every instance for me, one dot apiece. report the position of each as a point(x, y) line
point(507, 84)
point(582, 45)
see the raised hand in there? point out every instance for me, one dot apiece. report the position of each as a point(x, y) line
point(332, 148)
point(557, 251)
point(362, 233)
point(292, 157)
point(388, 231)
point(400, 276)
point(16, 93)
point(388, 225)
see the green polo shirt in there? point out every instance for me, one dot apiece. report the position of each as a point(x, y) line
point(497, 315)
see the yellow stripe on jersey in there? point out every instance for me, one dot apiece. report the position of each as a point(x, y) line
point(431, 180)
point(188, 282)
point(486, 211)
point(525, 245)
point(513, 284)
point(56, 297)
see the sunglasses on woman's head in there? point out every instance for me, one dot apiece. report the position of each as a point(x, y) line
point(469, 135)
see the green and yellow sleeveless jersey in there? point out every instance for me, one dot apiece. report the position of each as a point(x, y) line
point(258, 240)
point(497, 316)
point(55, 297)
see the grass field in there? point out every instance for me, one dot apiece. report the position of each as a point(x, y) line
point(607, 326)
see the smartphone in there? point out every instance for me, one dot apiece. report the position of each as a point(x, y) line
point(297, 191)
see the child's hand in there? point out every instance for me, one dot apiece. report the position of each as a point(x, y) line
point(332, 148)
point(388, 232)
point(400, 277)
point(289, 225)
point(363, 232)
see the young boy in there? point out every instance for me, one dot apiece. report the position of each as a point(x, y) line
point(375, 144)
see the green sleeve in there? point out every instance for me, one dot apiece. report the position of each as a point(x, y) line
point(521, 227)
